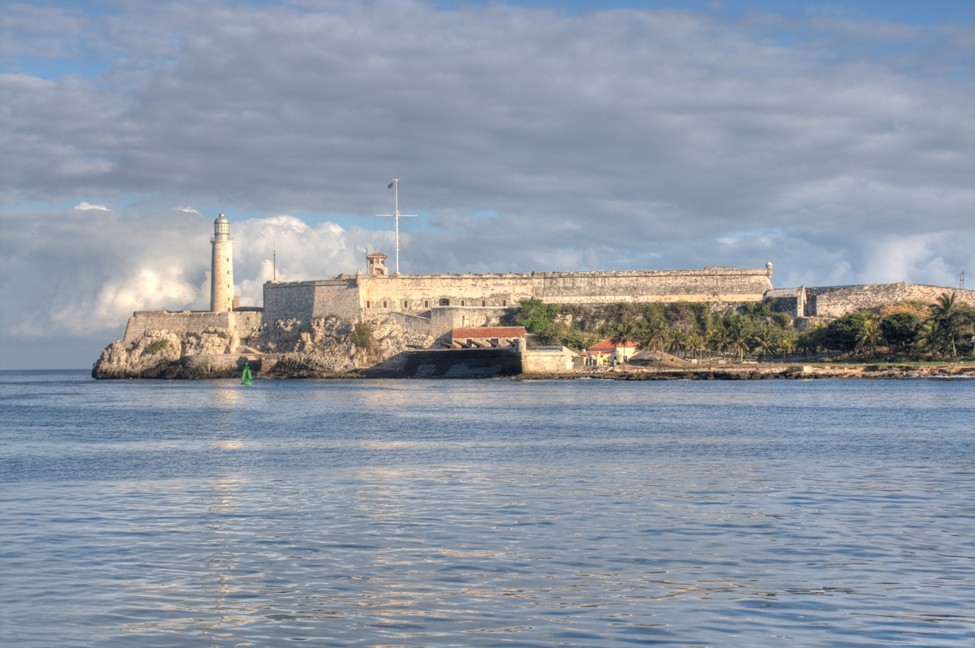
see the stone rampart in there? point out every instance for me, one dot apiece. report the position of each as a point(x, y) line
point(420, 293)
point(836, 301)
point(412, 323)
point(713, 285)
point(548, 360)
point(304, 300)
point(242, 324)
point(446, 318)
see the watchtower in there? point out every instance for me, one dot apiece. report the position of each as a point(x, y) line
point(377, 264)
point(222, 267)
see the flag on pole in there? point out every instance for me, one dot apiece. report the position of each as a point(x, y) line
point(390, 185)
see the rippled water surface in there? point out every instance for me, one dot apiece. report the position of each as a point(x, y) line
point(486, 513)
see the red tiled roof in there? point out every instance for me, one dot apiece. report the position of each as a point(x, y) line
point(487, 332)
point(608, 346)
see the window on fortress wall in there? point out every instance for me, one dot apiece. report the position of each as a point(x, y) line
point(406, 305)
point(445, 302)
point(368, 304)
point(463, 303)
point(483, 302)
point(384, 303)
point(426, 304)
point(504, 302)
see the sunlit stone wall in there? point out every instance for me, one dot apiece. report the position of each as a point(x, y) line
point(839, 300)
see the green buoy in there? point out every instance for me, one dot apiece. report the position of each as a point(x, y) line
point(247, 377)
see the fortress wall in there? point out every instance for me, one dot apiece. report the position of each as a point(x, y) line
point(451, 301)
point(303, 300)
point(247, 322)
point(412, 323)
point(239, 324)
point(445, 319)
point(337, 297)
point(707, 285)
point(292, 300)
point(547, 360)
point(178, 322)
point(840, 300)
point(419, 293)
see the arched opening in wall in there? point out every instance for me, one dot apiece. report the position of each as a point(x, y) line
point(406, 305)
point(384, 304)
point(426, 303)
point(483, 302)
point(504, 303)
point(368, 304)
point(463, 302)
point(445, 302)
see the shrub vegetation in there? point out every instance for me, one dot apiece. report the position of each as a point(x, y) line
point(942, 330)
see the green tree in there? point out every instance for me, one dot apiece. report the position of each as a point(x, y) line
point(696, 344)
point(737, 330)
point(653, 336)
point(622, 332)
point(843, 333)
point(869, 335)
point(900, 330)
point(765, 341)
point(535, 315)
point(812, 341)
point(949, 322)
point(676, 340)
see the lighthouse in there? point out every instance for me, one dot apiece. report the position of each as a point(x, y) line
point(222, 267)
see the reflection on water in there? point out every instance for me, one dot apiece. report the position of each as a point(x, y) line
point(487, 513)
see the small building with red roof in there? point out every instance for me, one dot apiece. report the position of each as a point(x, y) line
point(609, 352)
point(486, 336)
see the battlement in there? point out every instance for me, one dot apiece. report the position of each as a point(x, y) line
point(358, 296)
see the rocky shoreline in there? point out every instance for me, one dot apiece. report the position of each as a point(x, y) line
point(333, 348)
point(769, 371)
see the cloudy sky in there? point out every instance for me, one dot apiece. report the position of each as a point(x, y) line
point(833, 138)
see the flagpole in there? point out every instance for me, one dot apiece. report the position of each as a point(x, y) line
point(396, 217)
point(394, 185)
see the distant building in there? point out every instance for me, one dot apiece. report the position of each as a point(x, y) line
point(486, 336)
point(609, 352)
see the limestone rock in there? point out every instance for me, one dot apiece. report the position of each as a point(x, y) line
point(321, 348)
point(147, 357)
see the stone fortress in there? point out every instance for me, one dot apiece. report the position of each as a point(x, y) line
point(430, 306)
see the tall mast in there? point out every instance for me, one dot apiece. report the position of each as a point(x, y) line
point(394, 185)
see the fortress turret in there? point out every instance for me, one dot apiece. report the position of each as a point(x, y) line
point(222, 267)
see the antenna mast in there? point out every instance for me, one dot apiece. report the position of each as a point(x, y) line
point(394, 185)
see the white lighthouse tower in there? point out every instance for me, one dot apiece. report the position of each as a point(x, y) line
point(222, 267)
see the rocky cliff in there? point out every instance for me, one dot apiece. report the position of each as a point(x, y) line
point(321, 348)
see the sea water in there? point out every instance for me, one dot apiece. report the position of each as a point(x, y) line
point(486, 513)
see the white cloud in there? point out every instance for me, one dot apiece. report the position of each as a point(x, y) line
point(87, 206)
point(526, 139)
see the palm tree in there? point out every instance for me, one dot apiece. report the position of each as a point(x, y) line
point(766, 339)
point(622, 332)
point(676, 340)
point(717, 339)
point(948, 323)
point(652, 336)
point(869, 335)
point(737, 332)
point(695, 344)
